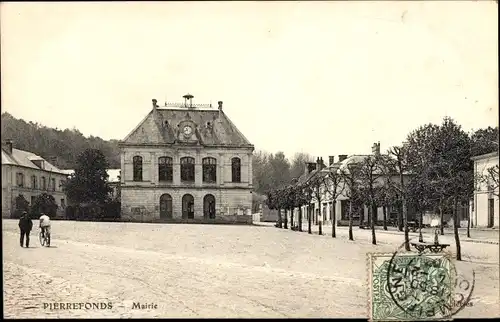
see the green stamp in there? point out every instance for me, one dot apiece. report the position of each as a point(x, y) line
point(412, 287)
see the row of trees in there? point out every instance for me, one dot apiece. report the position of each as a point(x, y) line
point(431, 171)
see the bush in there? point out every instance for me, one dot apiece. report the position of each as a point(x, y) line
point(44, 203)
point(20, 205)
point(95, 212)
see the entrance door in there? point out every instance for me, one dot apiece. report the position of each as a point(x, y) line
point(209, 206)
point(166, 206)
point(188, 206)
point(491, 213)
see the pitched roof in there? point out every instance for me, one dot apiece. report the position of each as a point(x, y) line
point(25, 159)
point(213, 127)
point(485, 156)
point(112, 173)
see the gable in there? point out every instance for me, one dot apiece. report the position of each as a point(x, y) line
point(212, 128)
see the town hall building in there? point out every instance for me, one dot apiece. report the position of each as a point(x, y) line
point(186, 163)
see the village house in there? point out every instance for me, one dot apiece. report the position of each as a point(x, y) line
point(186, 162)
point(29, 175)
point(323, 210)
point(485, 199)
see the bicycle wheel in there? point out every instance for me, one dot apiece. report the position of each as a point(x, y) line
point(47, 240)
point(42, 240)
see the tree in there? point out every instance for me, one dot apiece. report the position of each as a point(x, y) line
point(297, 164)
point(20, 205)
point(89, 184)
point(334, 185)
point(399, 164)
point(442, 153)
point(370, 173)
point(350, 176)
point(484, 141)
point(45, 204)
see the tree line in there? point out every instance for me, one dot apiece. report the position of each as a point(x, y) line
point(431, 170)
point(62, 145)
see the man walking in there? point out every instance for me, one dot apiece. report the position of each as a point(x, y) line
point(25, 225)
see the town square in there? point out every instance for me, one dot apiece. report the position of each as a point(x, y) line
point(326, 159)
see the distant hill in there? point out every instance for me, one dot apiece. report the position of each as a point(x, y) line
point(48, 142)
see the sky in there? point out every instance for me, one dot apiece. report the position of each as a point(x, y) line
point(324, 78)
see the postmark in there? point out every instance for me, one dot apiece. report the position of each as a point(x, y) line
point(413, 287)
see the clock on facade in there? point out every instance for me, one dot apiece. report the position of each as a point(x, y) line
point(187, 130)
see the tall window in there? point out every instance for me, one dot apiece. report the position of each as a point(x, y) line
point(63, 203)
point(34, 182)
point(209, 169)
point(20, 179)
point(53, 184)
point(137, 161)
point(236, 169)
point(165, 169)
point(44, 183)
point(187, 169)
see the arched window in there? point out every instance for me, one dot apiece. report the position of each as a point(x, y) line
point(236, 169)
point(137, 160)
point(34, 182)
point(165, 169)
point(44, 184)
point(209, 169)
point(187, 169)
point(53, 184)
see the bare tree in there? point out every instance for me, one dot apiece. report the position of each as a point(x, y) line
point(350, 177)
point(334, 185)
point(399, 153)
point(371, 173)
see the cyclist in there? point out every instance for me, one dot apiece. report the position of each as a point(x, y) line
point(45, 224)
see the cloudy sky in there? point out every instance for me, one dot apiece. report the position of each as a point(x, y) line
point(325, 78)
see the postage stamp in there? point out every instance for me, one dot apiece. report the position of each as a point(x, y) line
point(413, 287)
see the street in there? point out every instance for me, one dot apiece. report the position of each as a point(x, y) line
point(208, 271)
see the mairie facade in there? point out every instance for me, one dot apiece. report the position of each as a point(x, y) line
point(186, 163)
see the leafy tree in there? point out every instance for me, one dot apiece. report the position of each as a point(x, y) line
point(484, 141)
point(297, 164)
point(89, 183)
point(442, 154)
point(45, 204)
point(20, 205)
point(66, 145)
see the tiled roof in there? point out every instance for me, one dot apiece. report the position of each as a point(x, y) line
point(213, 128)
point(25, 159)
point(112, 173)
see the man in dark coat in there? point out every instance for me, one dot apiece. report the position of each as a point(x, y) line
point(25, 224)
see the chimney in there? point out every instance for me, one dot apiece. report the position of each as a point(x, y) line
point(331, 160)
point(154, 103)
point(8, 146)
point(322, 163)
point(342, 157)
point(220, 105)
point(376, 148)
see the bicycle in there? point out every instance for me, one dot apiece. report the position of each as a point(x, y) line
point(44, 240)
